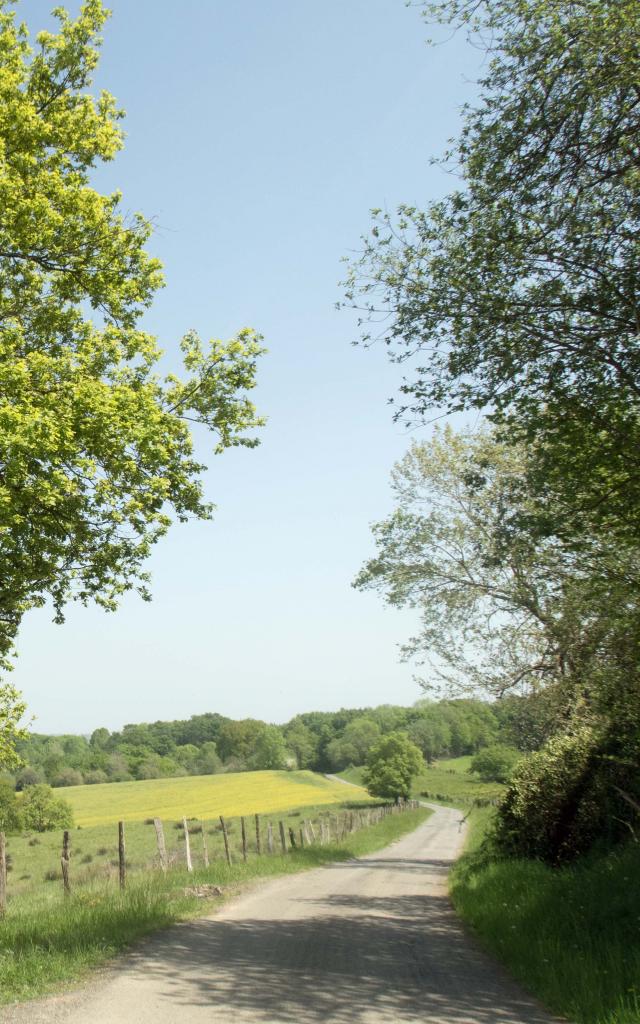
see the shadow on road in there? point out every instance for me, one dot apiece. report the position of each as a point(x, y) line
point(357, 958)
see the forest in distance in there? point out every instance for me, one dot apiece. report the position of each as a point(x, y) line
point(322, 741)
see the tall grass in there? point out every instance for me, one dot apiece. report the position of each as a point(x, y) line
point(46, 945)
point(570, 935)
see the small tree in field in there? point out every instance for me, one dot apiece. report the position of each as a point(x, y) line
point(495, 763)
point(41, 811)
point(392, 765)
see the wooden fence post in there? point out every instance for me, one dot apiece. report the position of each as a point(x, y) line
point(312, 832)
point(270, 837)
point(283, 838)
point(205, 851)
point(292, 838)
point(244, 839)
point(258, 845)
point(64, 862)
point(3, 875)
point(187, 844)
point(301, 838)
point(122, 864)
point(162, 850)
point(226, 840)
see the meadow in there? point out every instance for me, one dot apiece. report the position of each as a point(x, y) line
point(447, 781)
point(201, 796)
point(290, 797)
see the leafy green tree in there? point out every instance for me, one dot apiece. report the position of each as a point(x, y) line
point(270, 751)
point(484, 616)
point(238, 739)
point(495, 763)
point(99, 739)
point(517, 292)
point(41, 810)
point(392, 765)
point(68, 777)
point(12, 710)
point(28, 776)
point(208, 762)
point(10, 820)
point(95, 446)
point(431, 733)
point(302, 742)
point(353, 746)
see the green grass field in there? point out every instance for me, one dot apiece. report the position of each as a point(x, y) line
point(445, 782)
point(201, 796)
point(34, 859)
point(45, 946)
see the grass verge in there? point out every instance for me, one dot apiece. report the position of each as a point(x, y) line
point(43, 948)
point(446, 782)
point(571, 935)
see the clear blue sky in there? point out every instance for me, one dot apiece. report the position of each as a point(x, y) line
point(259, 135)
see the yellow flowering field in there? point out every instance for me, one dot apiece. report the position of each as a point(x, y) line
point(204, 796)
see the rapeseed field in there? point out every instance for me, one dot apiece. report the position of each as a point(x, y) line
point(203, 796)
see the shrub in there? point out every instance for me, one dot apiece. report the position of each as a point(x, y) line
point(68, 777)
point(41, 811)
point(28, 777)
point(495, 763)
point(568, 796)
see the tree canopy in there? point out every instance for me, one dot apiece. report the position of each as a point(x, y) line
point(391, 767)
point(517, 294)
point(96, 452)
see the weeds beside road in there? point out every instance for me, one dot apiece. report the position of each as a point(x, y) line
point(44, 947)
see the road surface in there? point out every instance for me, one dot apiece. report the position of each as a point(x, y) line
point(369, 941)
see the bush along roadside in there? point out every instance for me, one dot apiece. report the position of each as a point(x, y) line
point(43, 947)
point(570, 935)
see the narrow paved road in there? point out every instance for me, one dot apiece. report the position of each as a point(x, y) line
point(366, 941)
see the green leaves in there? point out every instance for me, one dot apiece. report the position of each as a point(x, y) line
point(96, 455)
point(518, 292)
point(392, 765)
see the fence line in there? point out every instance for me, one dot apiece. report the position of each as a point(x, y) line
point(329, 828)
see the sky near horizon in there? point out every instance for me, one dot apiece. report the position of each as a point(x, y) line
point(259, 136)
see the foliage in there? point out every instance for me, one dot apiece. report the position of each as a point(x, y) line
point(484, 612)
point(10, 820)
point(12, 709)
point(353, 746)
point(270, 752)
point(572, 794)
point(517, 615)
point(41, 811)
point(95, 446)
point(495, 763)
point(391, 766)
point(209, 743)
point(517, 292)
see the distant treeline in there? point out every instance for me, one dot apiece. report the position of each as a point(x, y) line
point(323, 741)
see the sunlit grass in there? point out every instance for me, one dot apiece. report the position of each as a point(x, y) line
point(46, 946)
point(570, 935)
